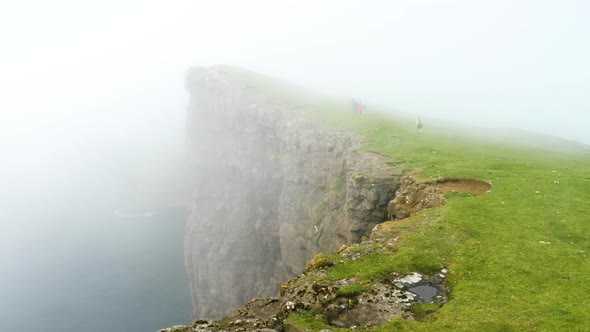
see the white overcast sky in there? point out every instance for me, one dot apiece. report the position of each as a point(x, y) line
point(78, 66)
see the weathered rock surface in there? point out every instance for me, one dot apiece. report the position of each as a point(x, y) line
point(413, 197)
point(271, 189)
point(332, 301)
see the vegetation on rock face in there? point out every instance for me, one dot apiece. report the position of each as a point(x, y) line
point(338, 184)
point(309, 320)
point(351, 290)
point(320, 261)
point(517, 256)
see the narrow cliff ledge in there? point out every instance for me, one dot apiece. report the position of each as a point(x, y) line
point(272, 188)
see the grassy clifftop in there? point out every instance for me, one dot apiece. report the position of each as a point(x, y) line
point(517, 256)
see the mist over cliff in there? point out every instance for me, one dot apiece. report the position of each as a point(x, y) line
point(92, 135)
point(90, 230)
point(271, 190)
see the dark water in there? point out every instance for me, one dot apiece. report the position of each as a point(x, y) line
point(425, 292)
point(127, 277)
point(68, 263)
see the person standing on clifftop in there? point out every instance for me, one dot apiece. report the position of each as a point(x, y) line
point(355, 105)
point(361, 108)
point(419, 125)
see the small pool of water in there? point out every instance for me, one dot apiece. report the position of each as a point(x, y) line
point(425, 292)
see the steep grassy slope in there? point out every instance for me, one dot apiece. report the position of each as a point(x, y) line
point(517, 256)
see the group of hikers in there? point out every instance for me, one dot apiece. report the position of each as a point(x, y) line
point(358, 107)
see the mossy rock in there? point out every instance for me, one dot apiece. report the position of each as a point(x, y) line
point(320, 262)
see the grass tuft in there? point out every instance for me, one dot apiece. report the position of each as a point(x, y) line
point(352, 290)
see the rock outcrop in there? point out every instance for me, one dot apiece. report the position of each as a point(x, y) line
point(340, 303)
point(271, 190)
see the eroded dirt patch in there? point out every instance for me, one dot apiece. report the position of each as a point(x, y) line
point(472, 186)
point(413, 197)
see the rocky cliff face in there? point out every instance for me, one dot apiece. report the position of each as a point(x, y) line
point(271, 189)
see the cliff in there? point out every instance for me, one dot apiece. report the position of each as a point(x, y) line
point(272, 188)
point(296, 185)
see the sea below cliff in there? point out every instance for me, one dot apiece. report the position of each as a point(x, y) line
point(71, 261)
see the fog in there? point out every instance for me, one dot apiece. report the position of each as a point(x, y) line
point(92, 109)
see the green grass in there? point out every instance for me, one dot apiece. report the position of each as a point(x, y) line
point(502, 278)
point(352, 290)
point(423, 310)
point(456, 194)
point(310, 321)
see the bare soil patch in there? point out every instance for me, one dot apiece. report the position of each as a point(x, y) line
point(413, 197)
point(472, 186)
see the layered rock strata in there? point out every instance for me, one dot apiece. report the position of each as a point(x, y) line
point(271, 189)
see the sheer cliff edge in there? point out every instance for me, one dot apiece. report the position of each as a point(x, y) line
point(272, 188)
